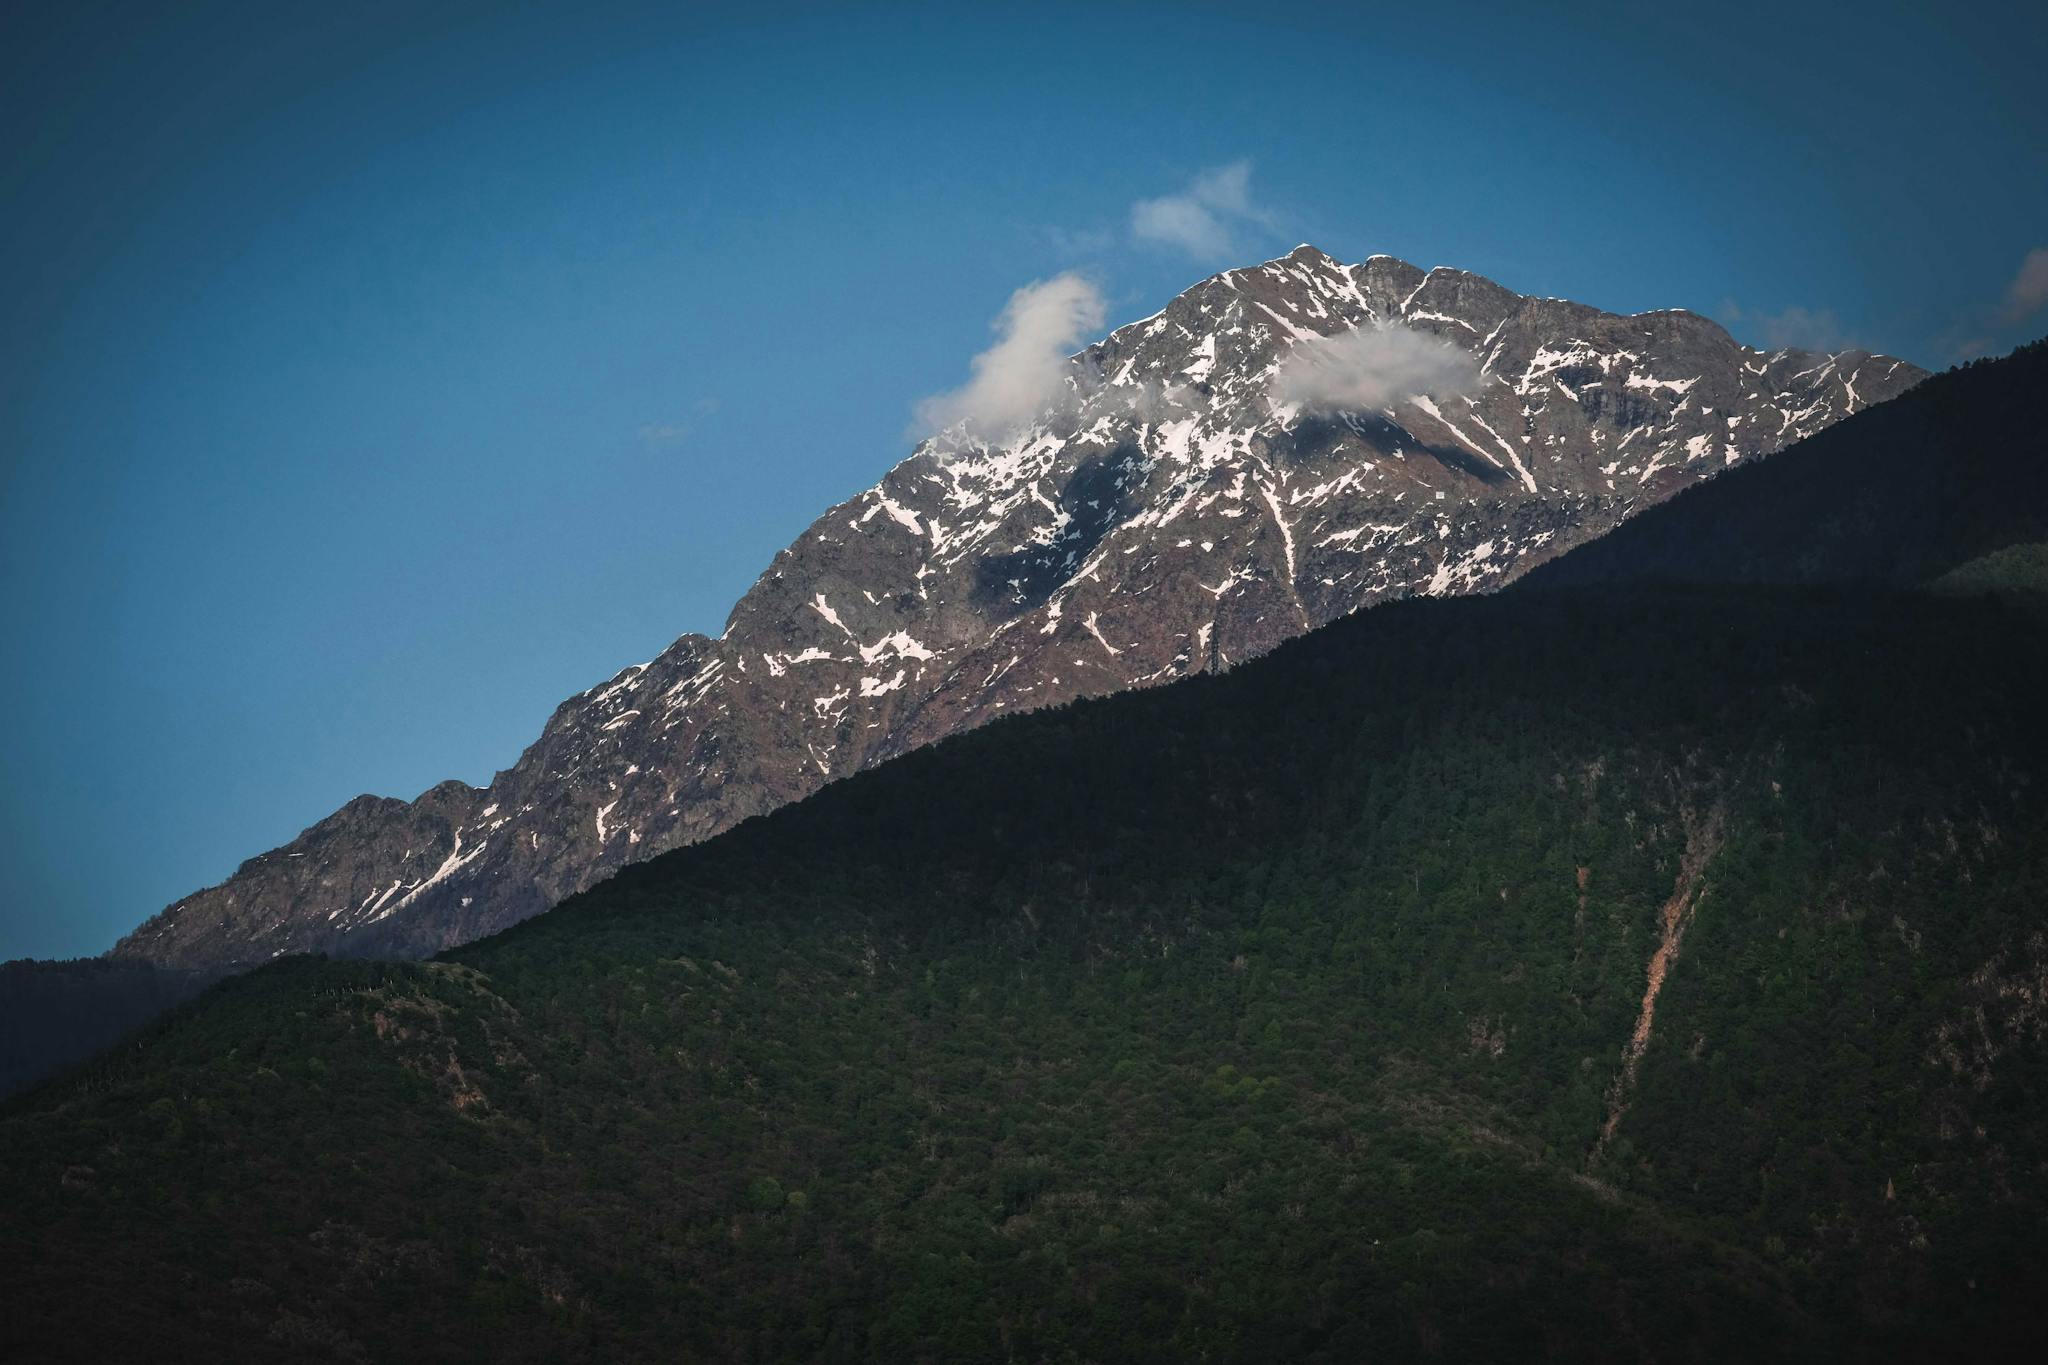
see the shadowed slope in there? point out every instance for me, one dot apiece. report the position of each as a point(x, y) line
point(1954, 470)
point(1270, 1015)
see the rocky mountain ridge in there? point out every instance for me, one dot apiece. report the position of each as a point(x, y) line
point(1169, 514)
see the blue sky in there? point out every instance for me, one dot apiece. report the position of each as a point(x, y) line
point(374, 376)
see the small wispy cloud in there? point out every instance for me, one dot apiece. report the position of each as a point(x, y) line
point(668, 435)
point(660, 434)
point(1980, 331)
point(1025, 371)
point(1075, 243)
point(1977, 330)
point(1205, 219)
point(1795, 328)
point(2028, 292)
point(1371, 368)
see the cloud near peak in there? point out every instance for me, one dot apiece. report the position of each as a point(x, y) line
point(1025, 371)
point(1794, 328)
point(664, 435)
point(1371, 368)
point(1204, 219)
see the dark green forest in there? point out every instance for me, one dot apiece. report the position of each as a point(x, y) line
point(1279, 1014)
point(1615, 968)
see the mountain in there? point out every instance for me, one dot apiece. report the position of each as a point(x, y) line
point(1859, 505)
point(1169, 517)
point(1615, 972)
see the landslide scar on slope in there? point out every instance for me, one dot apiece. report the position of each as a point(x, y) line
point(1702, 842)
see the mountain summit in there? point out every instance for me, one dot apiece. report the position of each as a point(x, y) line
point(1239, 468)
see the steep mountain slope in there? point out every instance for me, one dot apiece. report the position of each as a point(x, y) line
point(1954, 471)
point(1167, 518)
point(1595, 975)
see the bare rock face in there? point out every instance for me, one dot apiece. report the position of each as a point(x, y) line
point(1173, 513)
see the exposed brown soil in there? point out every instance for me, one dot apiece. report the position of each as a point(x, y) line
point(1702, 841)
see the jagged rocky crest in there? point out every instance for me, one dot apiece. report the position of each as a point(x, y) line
point(1168, 517)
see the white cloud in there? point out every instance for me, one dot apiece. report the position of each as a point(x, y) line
point(1076, 243)
point(1371, 368)
point(663, 434)
point(1204, 219)
point(1976, 334)
point(668, 435)
point(1026, 370)
point(1808, 329)
point(1794, 328)
point(2028, 292)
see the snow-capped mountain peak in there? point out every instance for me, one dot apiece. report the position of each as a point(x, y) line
point(1281, 445)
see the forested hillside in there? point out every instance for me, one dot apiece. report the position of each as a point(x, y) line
point(1588, 975)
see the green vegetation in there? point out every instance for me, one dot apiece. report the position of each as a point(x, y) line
point(2017, 571)
point(1275, 1015)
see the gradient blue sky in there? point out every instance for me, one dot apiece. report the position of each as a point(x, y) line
point(373, 376)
